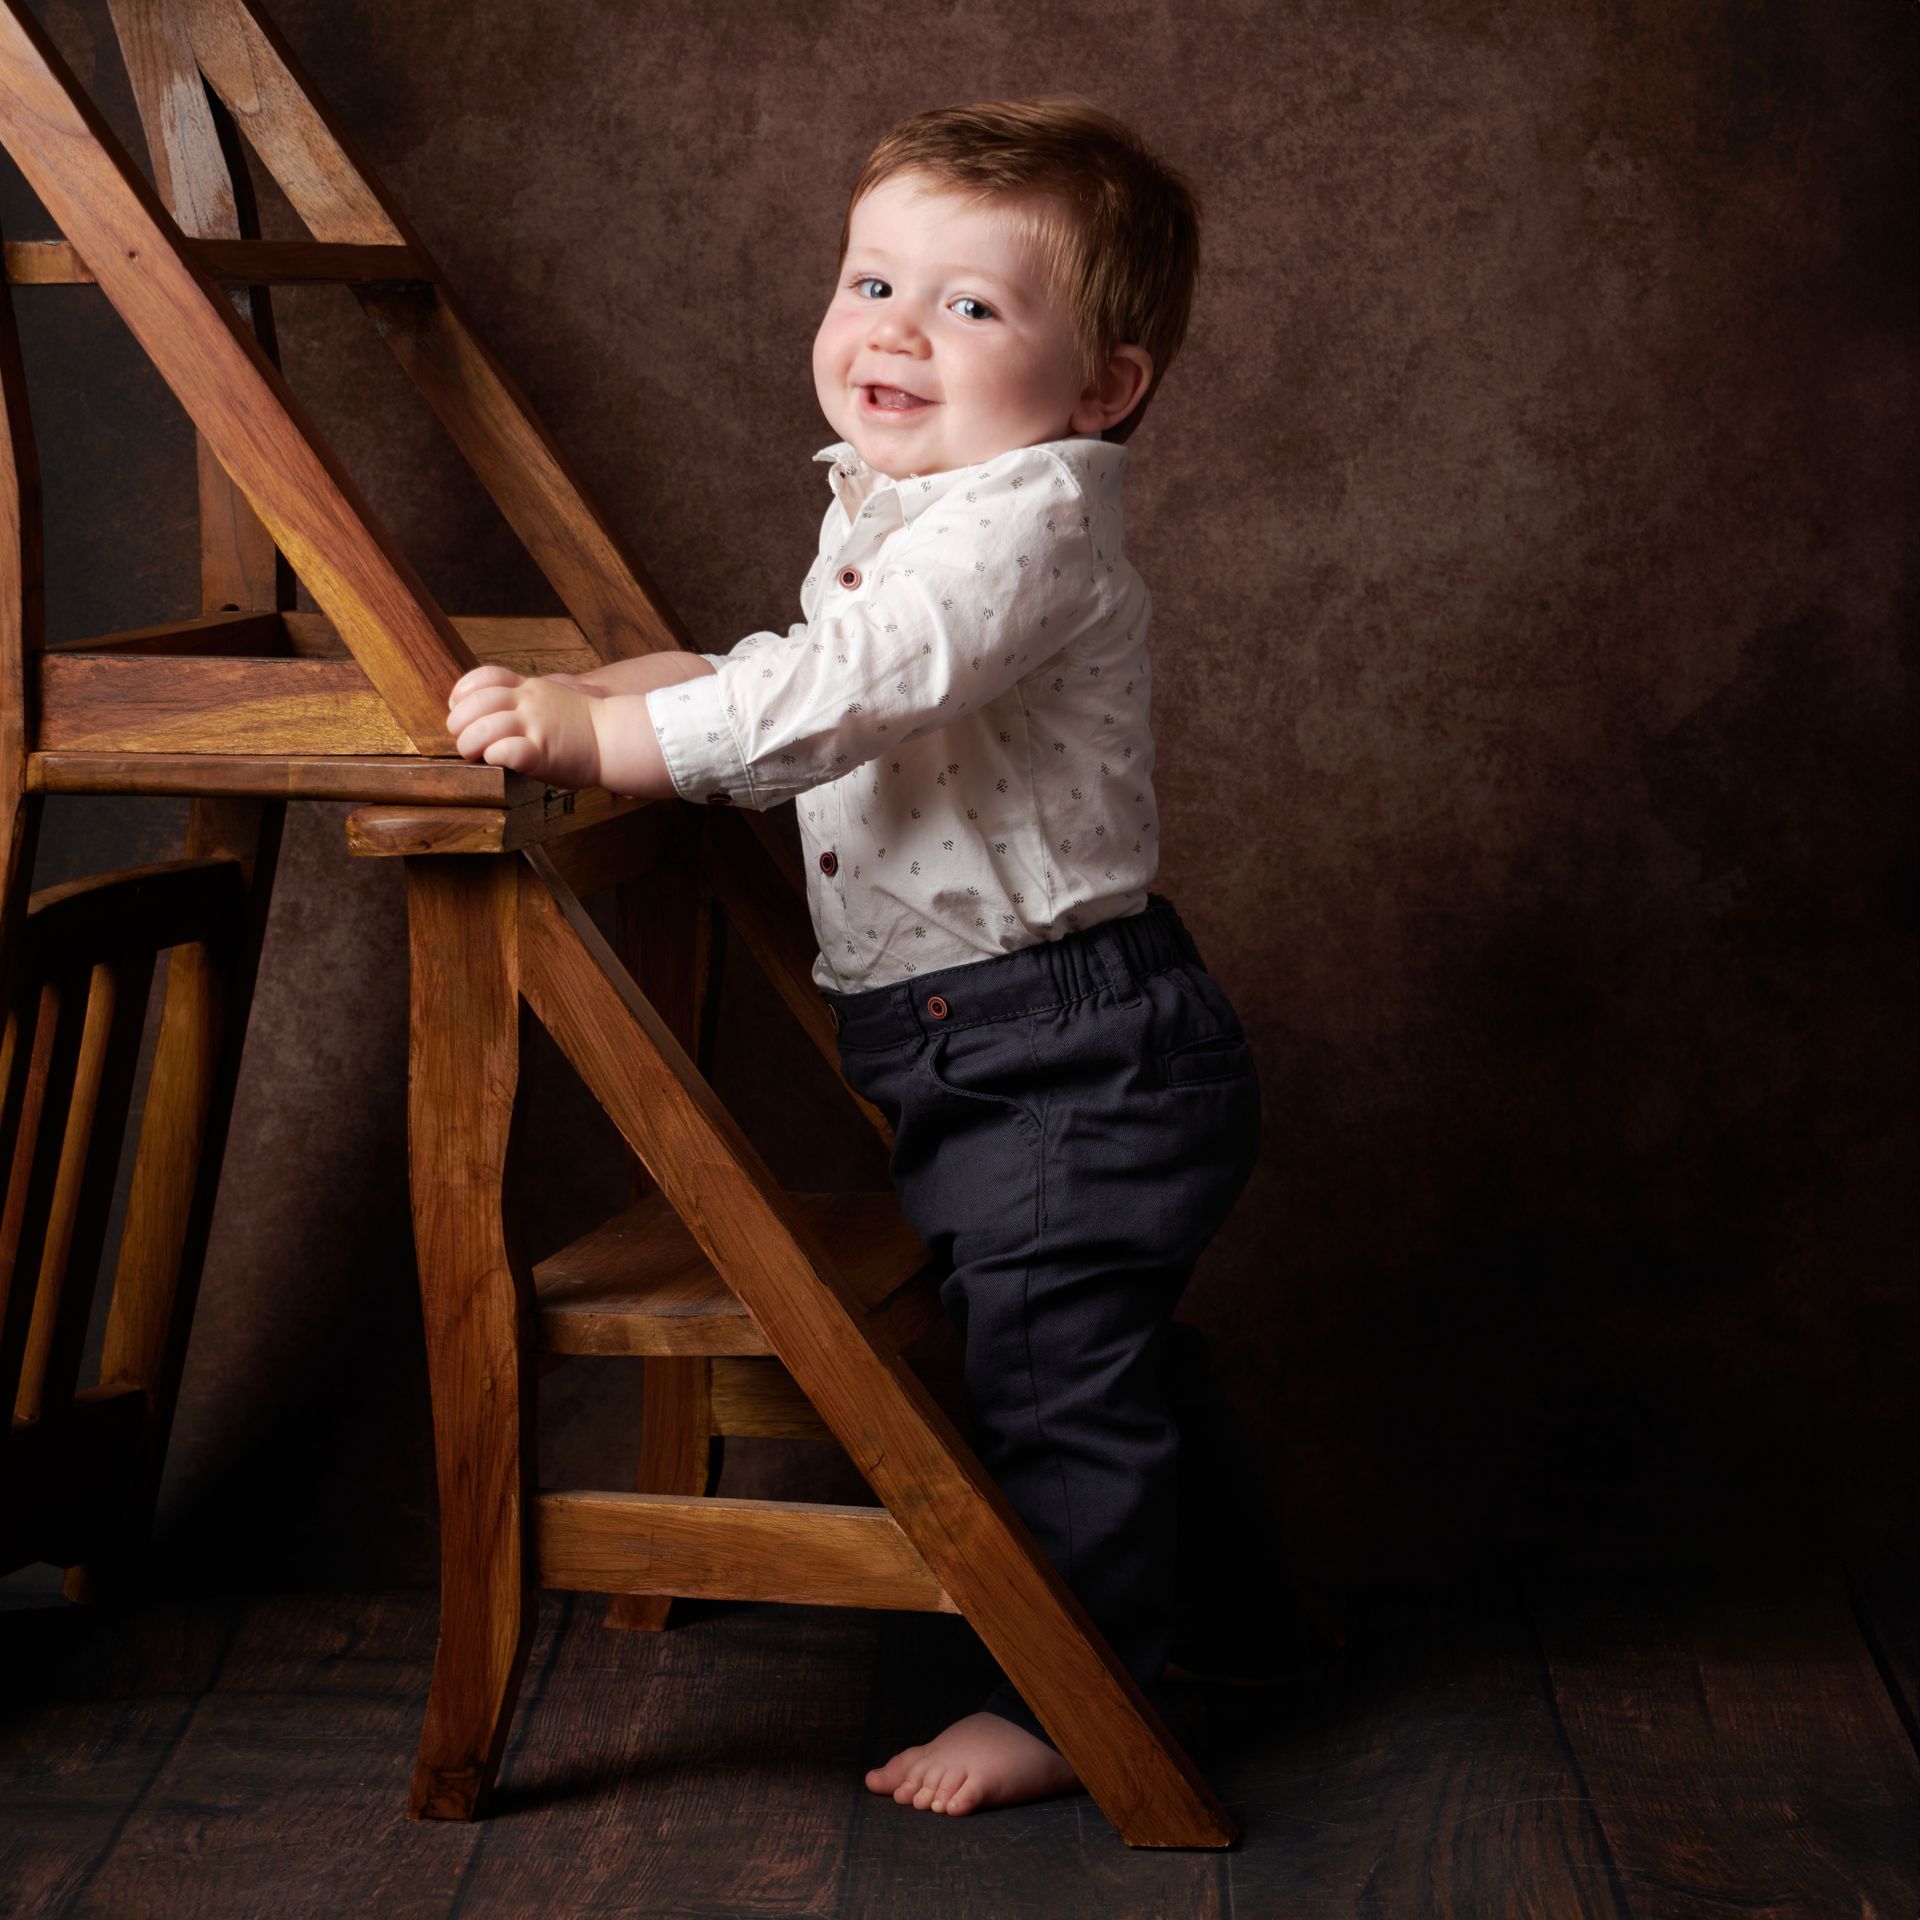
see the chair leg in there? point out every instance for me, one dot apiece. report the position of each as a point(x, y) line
point(677, 1455)
point(476, 1292)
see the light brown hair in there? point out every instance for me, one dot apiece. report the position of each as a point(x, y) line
point(1124, 259)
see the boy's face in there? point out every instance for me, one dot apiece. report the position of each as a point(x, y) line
point(943, 301)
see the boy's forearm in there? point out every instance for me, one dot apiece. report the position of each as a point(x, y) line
point(642, 673)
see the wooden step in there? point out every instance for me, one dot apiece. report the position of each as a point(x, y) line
point(639, 1283)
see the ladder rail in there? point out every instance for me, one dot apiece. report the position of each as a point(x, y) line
point(259, 430)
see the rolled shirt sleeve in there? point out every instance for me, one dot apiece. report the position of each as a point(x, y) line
point(985, 586)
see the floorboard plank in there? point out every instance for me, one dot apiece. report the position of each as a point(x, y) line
point(286, 1792)
point(93, 1701)
point(705, 1771)
point(1740, 1747)
point(1419, 1770)
point(1555, 1749)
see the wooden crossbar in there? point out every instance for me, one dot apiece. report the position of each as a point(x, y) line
point(257, 776)
point(797, 1551)
point(257, 263)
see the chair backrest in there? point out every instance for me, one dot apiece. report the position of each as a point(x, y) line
point(79, 1463)
point(84, 970)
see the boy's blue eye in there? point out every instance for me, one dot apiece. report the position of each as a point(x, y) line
point(986, 312)
point(874, 280)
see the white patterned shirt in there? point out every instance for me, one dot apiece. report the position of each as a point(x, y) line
point(964, 713)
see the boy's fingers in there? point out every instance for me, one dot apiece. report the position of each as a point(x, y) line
point(479, 700)
point(490, 675)
point(482, 730)
point(513, 753)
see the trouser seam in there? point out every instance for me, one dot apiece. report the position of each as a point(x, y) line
point(1026, 1313)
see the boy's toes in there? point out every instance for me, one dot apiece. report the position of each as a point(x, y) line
point(944, 1788)
point(892, 1776)
point(964, 1796)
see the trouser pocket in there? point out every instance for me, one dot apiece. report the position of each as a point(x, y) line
point(1223, 1057)
point(975, 1064)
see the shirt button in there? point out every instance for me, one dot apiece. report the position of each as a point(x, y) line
point(719, 799)
point(829, 862)
point(849, 577)
point(937, 1007)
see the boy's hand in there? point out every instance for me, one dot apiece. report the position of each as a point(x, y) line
point(538, 726)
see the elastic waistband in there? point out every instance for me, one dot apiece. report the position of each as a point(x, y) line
point(1115, 953)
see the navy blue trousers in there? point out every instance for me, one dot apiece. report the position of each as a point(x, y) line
point(1072, 1124)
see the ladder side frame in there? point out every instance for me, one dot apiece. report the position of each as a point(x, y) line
point(232, 391)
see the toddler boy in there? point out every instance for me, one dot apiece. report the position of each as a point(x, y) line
point(963, 719)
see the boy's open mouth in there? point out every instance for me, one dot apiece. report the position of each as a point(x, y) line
point(893, 400)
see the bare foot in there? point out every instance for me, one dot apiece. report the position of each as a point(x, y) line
point(981, 1761)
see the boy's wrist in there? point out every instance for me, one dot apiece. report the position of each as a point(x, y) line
point(598, 711)
point(627, 749)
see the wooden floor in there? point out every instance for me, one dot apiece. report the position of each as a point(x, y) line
point(1538, 1746)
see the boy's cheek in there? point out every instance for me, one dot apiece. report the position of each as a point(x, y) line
point(833, 349)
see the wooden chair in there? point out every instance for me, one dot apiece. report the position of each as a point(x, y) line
point(748, 1309)
point(80, 1467)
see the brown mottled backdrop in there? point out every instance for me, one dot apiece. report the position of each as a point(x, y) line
point(1530, 527)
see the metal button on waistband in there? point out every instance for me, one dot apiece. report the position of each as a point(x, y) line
point(829, 862)
point(849, 577)
point(719, 799)
point(937, 1007)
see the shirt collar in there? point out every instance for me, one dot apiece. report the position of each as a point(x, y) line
point(855, 483)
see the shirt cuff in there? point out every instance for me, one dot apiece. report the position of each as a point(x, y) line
point(696, 738)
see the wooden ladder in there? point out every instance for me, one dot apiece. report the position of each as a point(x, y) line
point(750, 1309)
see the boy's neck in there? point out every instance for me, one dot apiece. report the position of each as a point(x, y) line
point(1065, 433)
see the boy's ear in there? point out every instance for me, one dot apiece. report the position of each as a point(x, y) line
point(1115, 394)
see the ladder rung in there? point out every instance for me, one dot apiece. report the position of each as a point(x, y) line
point(375, 778)
point(54, 263)
point(639, 1283)
point(799, 1552)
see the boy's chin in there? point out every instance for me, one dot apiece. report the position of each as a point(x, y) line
point(902, 456)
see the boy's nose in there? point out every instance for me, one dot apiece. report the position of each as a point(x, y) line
point(898, 323)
